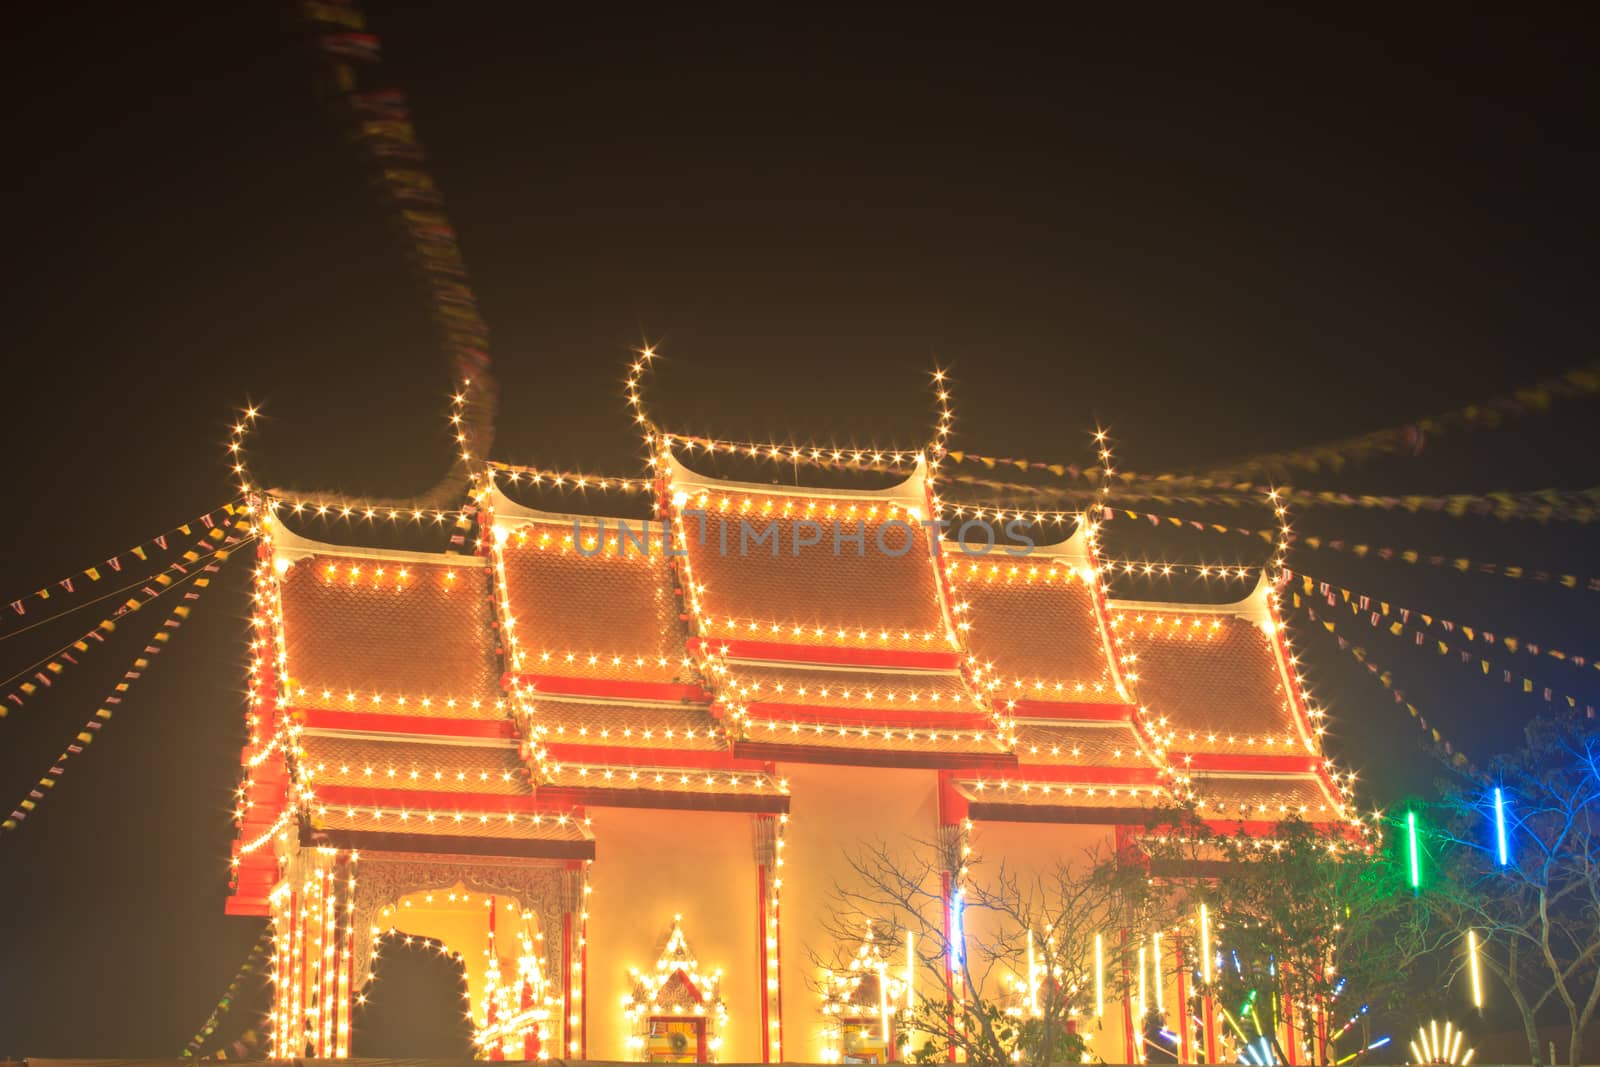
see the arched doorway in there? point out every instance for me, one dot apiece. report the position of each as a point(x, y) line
point(416, 1004)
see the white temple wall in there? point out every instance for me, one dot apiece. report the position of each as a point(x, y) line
point(832, 811)
point(649, 866)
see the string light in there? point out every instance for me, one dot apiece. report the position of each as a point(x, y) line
point(539, 477)
point(237, 436)
point(1155, 970)
point(1472, 968)
point(334, 507)
point(874, 459)
point(1150, 569)
point(696, 996)
point(1099, 976)
point(941, 395)
point(1140, 1000)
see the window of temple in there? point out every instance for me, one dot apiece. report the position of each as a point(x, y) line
point(675, 1013)
point(867, 1004)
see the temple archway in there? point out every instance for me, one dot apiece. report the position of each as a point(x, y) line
point(416, 1003)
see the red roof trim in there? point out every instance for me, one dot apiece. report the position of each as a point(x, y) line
point(1070, 711)
point(830, 655)
point(1091, 775)
point(623, 756)
point(669, 800)
point(450, 844)
point(823, 713)
point(1065, 814)
point(420, 725)
point(1246, 763)
point(467, 803)
point(612, 688)
point(874, 757)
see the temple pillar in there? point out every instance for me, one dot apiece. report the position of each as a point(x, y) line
point(312, 957)
point(768, 832)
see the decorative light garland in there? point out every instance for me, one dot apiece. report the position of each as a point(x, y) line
point(866, 991)
point(1486, 668)
point(197, 560)
point(1462, 565)
point(676, 988)
point(114, 564)
point(1386, 679)
point(86, 734)
point(1364, 603)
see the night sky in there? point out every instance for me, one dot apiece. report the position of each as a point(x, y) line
point(1214, 235)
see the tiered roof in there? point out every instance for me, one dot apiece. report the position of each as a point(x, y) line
point(401, 733)
point(1039, 625)
point(575, 662)
point(617, 704)
point(824, 623)
point(1219, 680)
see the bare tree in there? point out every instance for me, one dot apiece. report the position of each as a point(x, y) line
point(1535, 917)
point(1006, 974)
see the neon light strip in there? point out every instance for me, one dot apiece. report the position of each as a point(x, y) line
point(1472, 964)
point(1411, 839)
point(1500, 825)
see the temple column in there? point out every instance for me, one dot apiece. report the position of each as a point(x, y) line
point(954, 837)
point(311, 912)
point(769, 970)
point(574, 951)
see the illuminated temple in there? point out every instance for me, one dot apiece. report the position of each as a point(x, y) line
point(632, 760)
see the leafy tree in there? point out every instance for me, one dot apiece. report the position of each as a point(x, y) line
point(1296, 915)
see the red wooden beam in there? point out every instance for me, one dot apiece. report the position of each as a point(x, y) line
point(622, 756)
point(1065, 813)
point(437, 801)
point(613, 688)
point(1246, 762)
point(1092, 775)
point(422, 725)
point(922, 719)
point(381, 841)
point(667, 799)
point(1069, 711)
point(874, 757)
point(829, 655)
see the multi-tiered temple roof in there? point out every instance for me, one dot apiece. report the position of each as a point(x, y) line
point(568, 662)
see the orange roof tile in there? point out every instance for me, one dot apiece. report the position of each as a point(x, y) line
point(1263, 797)
point(623, 726)
point(420, 766)
point(1079, 745)
point(815, 588)
point(1211, 675)
point(814, 686)
point(1037, 627)
point(608, 615)
point(410, 631)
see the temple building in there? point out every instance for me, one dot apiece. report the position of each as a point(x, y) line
point(632, 759)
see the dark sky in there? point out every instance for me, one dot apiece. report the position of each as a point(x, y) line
point(1216, 234)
